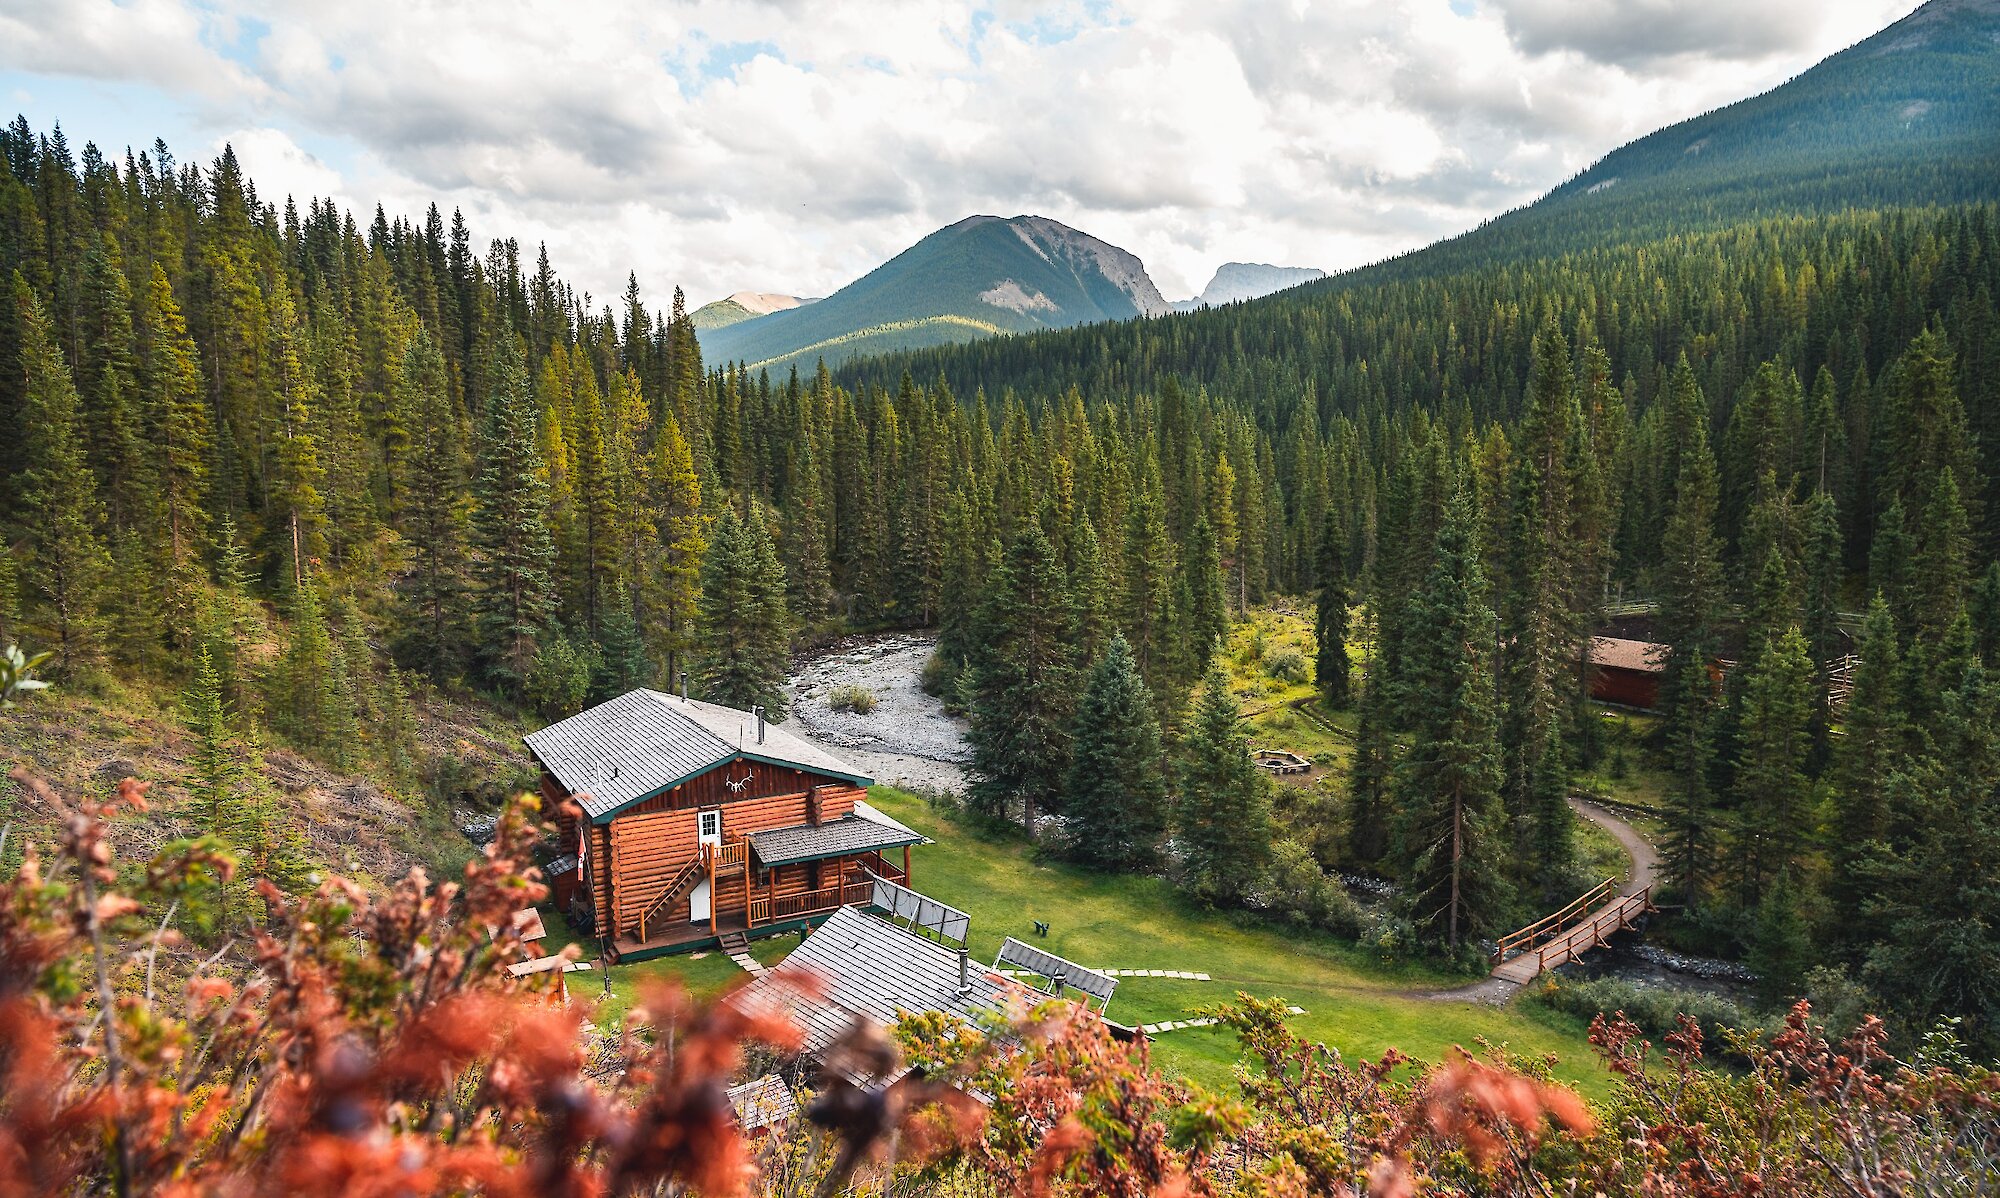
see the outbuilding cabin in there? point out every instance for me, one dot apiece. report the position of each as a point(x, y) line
point(693, 822)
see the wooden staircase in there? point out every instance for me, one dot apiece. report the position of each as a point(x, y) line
point(734, 943)
point(683, 884)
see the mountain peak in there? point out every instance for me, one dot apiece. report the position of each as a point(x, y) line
point(977, 277)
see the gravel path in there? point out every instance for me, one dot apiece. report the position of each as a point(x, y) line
point(907, 740)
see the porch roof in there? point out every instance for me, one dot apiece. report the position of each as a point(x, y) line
point(859, 832)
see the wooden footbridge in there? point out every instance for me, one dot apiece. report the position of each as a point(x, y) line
point(1593, 918)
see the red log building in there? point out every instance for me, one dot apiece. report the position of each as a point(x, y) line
point(695, 822)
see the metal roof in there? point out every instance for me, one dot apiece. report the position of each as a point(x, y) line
point(1610, 652)
point(866, 829)
point(632, 747)
point(867, 967)
point(762, 1102)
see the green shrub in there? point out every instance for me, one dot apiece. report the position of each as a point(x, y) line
point(940, 677)
point(1654, 1008)
point(1296, 890)
point(1287, 665)
point(857, 699)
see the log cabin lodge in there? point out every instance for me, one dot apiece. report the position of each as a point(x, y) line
point(694, 822)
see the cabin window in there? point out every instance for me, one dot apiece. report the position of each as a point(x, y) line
point(812, 875)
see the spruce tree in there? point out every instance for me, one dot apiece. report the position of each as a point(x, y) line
point(1330, 664)
point(1368, 779)
point(1023, 682)
point(216, 763)
point(1939, 572)
point(1207, 606)
point(1449, 838)
point(746, 632)
point(1090, 595)
point(621, 663)
point(67, 569)
point(515, 593)
point(181, 432)
point(1774, 795)
point(436, 598)
point(1116, 796)
point(1223, 816)
point(1691, 586)
point(678, 527)
point(1870, 752)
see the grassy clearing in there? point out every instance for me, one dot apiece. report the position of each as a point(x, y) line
point(1353, 1001)
point(706, 975)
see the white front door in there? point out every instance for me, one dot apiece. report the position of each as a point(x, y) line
point(708, 828)
point(698, 908)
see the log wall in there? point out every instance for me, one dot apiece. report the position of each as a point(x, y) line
point(642, 849)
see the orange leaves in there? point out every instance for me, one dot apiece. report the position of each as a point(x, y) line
point(1483, 1107)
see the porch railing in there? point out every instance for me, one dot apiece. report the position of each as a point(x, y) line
point(769, 909)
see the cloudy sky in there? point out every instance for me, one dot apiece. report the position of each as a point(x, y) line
point(791, 145)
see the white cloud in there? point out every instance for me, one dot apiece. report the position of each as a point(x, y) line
point(790, 146)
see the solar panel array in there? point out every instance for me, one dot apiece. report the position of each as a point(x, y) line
point(920, 911)
point(1054, 968)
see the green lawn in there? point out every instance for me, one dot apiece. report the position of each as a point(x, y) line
point(706, 975)
point(1352, 1001)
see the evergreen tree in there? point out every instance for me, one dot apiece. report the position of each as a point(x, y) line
point(436, 598)
point(1023, 683)
point(1331, 666)
point(1368, 779)
point(746, 632)
point(621, 663)
point(1869, 754)
point(1935, 898)
point(1938, 569)
point(181, 432)
point(678, 527)
point(1116, 796)
point(515, 593)
point(1774, 795)
point(1822, 616)
point(1090, 595)
point(216, 763)
point(66, 568)
point(1691, 584)
point(1223, 816)
point(1449, 840)
point(1207, 607)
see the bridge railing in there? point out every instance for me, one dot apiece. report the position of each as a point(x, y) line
point(1549, 926)
point(1599, 928)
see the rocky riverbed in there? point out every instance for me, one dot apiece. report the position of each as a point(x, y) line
point(907, 739)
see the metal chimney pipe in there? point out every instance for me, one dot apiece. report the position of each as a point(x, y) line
point(964, 970)
point(758, 711)
point(684, 686)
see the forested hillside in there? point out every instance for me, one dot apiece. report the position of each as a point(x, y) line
point(420, 460)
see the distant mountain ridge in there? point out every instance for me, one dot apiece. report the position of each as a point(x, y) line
point(1909, 117)
point(982, 276)
point(742, 306)
point(1234, 281)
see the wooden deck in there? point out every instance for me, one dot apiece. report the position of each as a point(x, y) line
point(1568, 934)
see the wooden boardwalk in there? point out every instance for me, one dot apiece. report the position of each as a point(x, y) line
point(1571, 932)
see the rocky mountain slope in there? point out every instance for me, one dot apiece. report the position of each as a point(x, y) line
point(1235, 281)
point(980, 277)
point(742, 306)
